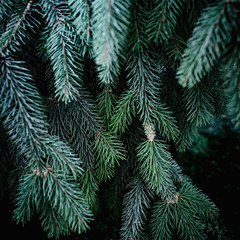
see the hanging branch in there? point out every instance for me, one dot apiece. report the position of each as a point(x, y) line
point(209, 41)
point(16, 28)
point(110, 22)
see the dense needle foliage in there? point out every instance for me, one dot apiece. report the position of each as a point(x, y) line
point(97, 96)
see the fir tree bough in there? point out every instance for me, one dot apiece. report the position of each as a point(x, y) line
point(96, 96)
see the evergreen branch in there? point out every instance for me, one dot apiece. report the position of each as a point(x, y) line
point(165, 224)
point(13, 31)
point(143, 79)
point(68, 200)
point(230, 72)
point(63, 55)
point(23, 115)
point(81, 15)
point(61, 46)
point(197, 111)
point(60, 193)
point(43, 153)
point(190, 228)
point(156, 168)
point(210, 39)
point(85, 111)
point(54, 11)
point(76, 124)
point(135, 203)
point(81, 24)
point(137, 39)
point(60, 182)
point(82, 146)
point(118, 185)
point(166, 123)
point(57, 113)
point(194, 9)
point(174, 47)
point(105, 103)
point(53, 223)
point(110, 21)
point(168, 84)
point(185, 214)
point(89, 185)
point(27, 196)
point(162, 16)
point(5, 7)
point(163, 19)
point(108, 151)
point(59, 155)
point(124, 112)
point(200, 108)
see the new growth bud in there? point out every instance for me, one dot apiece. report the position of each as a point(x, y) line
point(149, 131)
point(42, 173)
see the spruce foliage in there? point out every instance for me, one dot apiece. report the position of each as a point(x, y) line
point(98, 95)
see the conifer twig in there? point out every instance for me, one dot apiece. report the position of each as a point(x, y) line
point(16, 28)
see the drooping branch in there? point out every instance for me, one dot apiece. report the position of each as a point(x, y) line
point(16, 28)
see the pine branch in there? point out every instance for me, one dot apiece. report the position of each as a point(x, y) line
point(166, 123)
point(110, 21)
point(5, 7)
point(53, 223)
point(24, 119)
point(76, 123)
point(135, 204)
point(62, 50)
point(194, 9)
point(168, 84)
point(44, 154)
point(27, 196)
point(117, 186)
point(108, 152)
point(60, 156)
point(68, 200)
point(210, 39)
point(183, 214)
point(197, 201)
point(156, 169)
point(163, 19)
point(81, 16)
point(26, 123)
point(60, 193)
point(174, 47)
point(230, 73)
point(144, 79)
point(54, 11)
point(17, 23)
point(137, 39)
point(89, 185)
point(197, 111)
point(86, 110)
point(57, 113)
point(105, 103)
point(63, 57)
point(124, 112)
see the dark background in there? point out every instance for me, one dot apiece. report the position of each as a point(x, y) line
point(213, 163)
